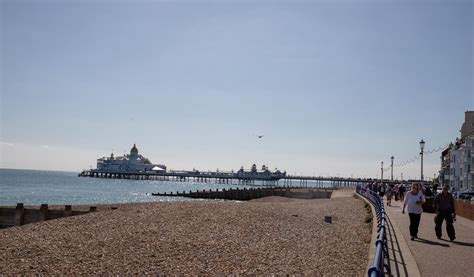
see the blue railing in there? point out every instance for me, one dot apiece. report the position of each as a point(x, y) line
point(381, 259)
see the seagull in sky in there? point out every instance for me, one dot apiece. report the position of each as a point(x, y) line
point(260, 136)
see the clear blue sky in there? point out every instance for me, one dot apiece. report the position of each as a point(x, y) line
point(335, 86)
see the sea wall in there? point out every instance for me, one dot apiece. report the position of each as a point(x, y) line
point(464, 208)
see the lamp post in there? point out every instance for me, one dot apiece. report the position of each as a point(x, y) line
point(391, 165)
point(381, 172)
point(422, 146)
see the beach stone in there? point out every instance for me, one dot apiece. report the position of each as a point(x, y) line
point(261, 237)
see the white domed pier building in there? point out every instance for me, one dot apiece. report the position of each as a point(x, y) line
point(133, 162)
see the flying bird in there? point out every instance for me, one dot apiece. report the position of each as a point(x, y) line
point(260, 136)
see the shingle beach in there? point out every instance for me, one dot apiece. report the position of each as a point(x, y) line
point(272, 235)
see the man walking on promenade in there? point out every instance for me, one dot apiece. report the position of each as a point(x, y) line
point(401, 191)
point(414, 199)
point(443, 204)
point(382, 190)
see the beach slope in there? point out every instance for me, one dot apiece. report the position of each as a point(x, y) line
point(271, 235)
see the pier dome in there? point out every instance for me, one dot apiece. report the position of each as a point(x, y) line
point(134, 152)
point(134, 149)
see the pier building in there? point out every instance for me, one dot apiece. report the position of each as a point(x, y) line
point(133, 162)
point(263, 174)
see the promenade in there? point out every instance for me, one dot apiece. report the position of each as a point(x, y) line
point(432, 256)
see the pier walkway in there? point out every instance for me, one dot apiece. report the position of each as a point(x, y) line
point(432, 256)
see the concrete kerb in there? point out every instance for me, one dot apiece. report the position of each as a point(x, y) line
point(410, 263)
point(374, 233)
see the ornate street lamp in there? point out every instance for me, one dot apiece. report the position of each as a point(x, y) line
point(422, 146)
point(381, 172)
point(391, 159)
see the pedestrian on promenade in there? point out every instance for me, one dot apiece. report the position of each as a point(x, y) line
point(396, 192)
point(422, 188)
point(382, 190)
point(414, 199)
point(401, 191)
point(375, 187)
point(371, 186)
point(367, 186)
point(435, 188)
point(443, 204)
point(389, 193)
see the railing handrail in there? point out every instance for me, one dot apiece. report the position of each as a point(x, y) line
point(378, 266)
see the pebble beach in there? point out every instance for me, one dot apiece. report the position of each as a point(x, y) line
point(267, 236)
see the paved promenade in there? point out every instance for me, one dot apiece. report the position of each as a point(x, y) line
point(437, 257)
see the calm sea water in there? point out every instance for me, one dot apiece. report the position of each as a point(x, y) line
point(33, 187)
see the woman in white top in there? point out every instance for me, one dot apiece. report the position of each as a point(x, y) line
point(414, 199)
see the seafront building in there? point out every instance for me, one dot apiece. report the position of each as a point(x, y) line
point(467, 128)
point(133, 162)
point(457, 160)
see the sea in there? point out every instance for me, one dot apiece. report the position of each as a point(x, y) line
point(34, 187)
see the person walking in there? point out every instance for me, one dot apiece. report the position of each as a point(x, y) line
point(414, 199)
point(401, 191)
point(396, 192)
point(435, 188)
point(389, 194)
point(382, 190)
point(444, 206)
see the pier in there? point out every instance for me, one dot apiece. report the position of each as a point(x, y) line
point(233, 178)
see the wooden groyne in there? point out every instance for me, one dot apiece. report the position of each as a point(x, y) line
point(19, 215)
point(253, 193)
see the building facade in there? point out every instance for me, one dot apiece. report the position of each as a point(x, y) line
point(457, 160)
point(467, 128)
point(445, 172)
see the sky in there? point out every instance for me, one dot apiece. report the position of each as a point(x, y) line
point(335, 87)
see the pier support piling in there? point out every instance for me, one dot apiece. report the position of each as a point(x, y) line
point(44, 212)
point(67, 210)
point(19, 214)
